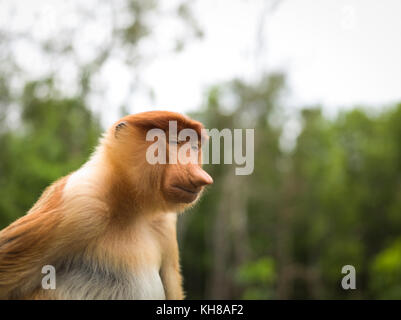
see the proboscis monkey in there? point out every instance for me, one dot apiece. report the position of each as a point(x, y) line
point(109, 228)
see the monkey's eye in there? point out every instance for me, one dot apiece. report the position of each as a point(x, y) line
point(195, 147)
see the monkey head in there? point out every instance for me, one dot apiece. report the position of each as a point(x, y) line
point(158, 157)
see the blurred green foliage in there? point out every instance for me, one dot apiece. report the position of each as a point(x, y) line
point(386, 272)
point(333, 200)
point(52, 137)
point(257, 277)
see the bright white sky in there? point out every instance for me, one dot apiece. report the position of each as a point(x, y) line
point(335, 52)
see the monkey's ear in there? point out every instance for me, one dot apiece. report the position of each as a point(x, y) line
point(120, 126)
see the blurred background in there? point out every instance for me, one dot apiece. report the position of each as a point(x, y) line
point(320, 82)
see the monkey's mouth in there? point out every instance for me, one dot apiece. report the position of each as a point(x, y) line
point(186, 194)
point(188, 190)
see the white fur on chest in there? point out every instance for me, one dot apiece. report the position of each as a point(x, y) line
point(148, 286)
point(82, 284)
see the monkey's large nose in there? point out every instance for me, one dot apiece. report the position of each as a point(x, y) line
point(200, 177)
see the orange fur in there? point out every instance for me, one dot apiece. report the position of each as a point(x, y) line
point(111, 219)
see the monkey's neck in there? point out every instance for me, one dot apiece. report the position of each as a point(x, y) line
point(102, 181)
